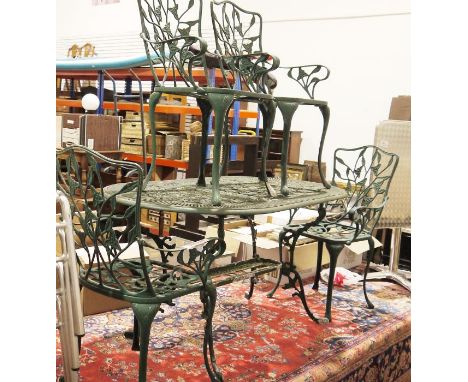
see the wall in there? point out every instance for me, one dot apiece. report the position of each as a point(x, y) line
point(365, 43)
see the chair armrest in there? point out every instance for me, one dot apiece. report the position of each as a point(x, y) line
point(179, 56)
point(255, 68)
point(199, 261)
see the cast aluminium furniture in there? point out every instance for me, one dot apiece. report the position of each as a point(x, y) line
point(171, 31)
point(365, 173)
point(231, 37)
point(69, 314)
point(107, 229)
point(241, 195)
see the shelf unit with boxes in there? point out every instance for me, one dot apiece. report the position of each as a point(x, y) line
point(167, 111)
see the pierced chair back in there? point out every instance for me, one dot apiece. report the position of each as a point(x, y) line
point(238, 38)
point(104, 230)
point(171, 33)
point(308, 76)
point(365, 173)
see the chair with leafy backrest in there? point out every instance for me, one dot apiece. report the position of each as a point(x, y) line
point(238, 31)
point(168, 33)
point(366, 173)
point(111, 256)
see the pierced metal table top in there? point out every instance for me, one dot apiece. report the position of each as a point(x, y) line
point(240, 195)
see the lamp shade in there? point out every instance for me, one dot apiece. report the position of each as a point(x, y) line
point(90, 101)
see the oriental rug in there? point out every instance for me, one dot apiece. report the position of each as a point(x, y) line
point(262, 339)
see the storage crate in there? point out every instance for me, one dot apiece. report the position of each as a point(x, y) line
point(160, 144)
point(173, 149)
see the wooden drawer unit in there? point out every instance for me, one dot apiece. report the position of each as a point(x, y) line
point(102, 132)
point(71, 129)
point(132, 129)
point(132, 145)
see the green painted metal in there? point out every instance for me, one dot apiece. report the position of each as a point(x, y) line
point(366, 180)
point(106, 229)
point(240, 195)
point(172, 31)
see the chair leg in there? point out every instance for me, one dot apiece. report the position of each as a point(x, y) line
point(370, 257)
point(205, 108)
point(221, 104)
point(287, 110)
point(253, 281)
point(334, 250)
point(208, 298)
point(145, 314)
point(268, 110)
point(318, 269)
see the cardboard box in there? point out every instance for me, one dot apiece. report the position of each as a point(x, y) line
point(71, 129)
point(313, 173)
point(232, 245)
point(93, 302)
point(400, 108)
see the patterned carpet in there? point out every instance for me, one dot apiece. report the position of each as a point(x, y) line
point(262, 339)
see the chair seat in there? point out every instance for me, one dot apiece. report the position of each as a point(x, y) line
point(171, 281)
point(204, 91)
point(302, 101)
point(335, 233)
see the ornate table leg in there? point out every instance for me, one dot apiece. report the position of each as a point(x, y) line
point(253, 231)
point(208, 298)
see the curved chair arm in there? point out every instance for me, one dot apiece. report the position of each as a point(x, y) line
point(199, 261)
point(179, 56)
point(252, 67)
point(308, 76)
point(362, 215)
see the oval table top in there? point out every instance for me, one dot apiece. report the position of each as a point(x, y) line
point(240, 195)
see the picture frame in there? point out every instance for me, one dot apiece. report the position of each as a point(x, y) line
point(294, 171)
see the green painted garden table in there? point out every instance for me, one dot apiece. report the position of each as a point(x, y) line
point(242, 196)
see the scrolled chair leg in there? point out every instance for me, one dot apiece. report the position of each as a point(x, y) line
point(334, 250)
point(248, 295)
point(370, 256)
point(145, 314)
point(220, 104)
point(206, 109)
point(208, 298)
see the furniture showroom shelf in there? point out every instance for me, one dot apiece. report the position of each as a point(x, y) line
point(164, 109)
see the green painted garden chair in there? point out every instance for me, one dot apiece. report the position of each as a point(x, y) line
point(171, 30)
point(111, 256)
point(365, 173)
point(238, 33)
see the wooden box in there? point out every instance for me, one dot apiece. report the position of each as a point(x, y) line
point(400, 109)
point(313, 173)
point(132, 129)
point(136, 116)
point(102, 132)
point(160, 144)
point(132, 146)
